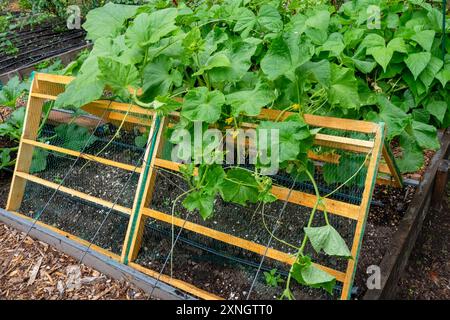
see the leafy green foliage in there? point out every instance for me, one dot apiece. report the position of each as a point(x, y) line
point(326, 238)
point(11, 91)
point(74, 137)
point(272, 278)
point(304, 272)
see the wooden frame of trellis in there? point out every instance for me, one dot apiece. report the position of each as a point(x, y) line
point(47, 87)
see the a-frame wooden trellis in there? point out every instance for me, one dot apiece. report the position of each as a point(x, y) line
point(46, 87)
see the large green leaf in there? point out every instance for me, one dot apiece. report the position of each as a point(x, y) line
point(239, 186)
point(217, 60)
point(204, 203)
point(437, 109)
point(411, 158)
point(417, 62)
point(159, 76)
point(239, 54)
point(395, 118)
point(268, 19)
point(107, 21)
point(382, 55)
point(304, 272)
point(430, 72)
point(327, 238)
point(426, 135)
point(74, 137)
point(250, 102)
point(425, 38)
point(290, 135)
point(150, 28)
point(118, 76)
point(343, 91)
point(200, 104)
point(85, 88)
point(285, 55)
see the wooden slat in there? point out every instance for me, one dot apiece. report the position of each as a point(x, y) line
point(305, 199)
point(318, 121)
point(326, 140)
point(54, 78)
point(31, 124)
point(179, 284)
point(343, 143)
point(391, 167)
point(324, 122)
point(72, 192)
point(135, 228)
point(86, 156)
point(233, 240)
point(365, 204)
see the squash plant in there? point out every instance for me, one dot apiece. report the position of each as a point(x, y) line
point(228, 59)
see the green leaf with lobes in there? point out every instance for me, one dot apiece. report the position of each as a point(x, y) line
point(426, 135)
point(150, 28)
point(290, 135)
point(250, 102)
point(343, 91)
point(160, 76)
point(217, 60)
point(395, 118)
point(239, 53)
point(204, 203)
point(306, 273)
point(326, 238)
point(411, 158)
point(107, 21)
point(118, 76)
point(200, 104)
point(268, 19)
point(239, 186)
point(286, 53)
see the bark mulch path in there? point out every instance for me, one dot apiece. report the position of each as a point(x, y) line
point(38, 271)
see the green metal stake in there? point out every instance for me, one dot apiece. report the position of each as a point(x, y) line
point(142, 189)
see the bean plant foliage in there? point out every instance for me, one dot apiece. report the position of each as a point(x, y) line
point(229, 59)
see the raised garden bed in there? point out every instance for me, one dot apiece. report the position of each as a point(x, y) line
point(35, 43)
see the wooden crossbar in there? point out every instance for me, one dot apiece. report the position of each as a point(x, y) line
point(298, 197)
point(85, 156)
point(233, 240)
point(73, 192)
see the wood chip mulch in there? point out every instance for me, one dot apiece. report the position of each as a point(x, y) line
point(38, 271)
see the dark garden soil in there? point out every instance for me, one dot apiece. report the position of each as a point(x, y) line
point(38, 42)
